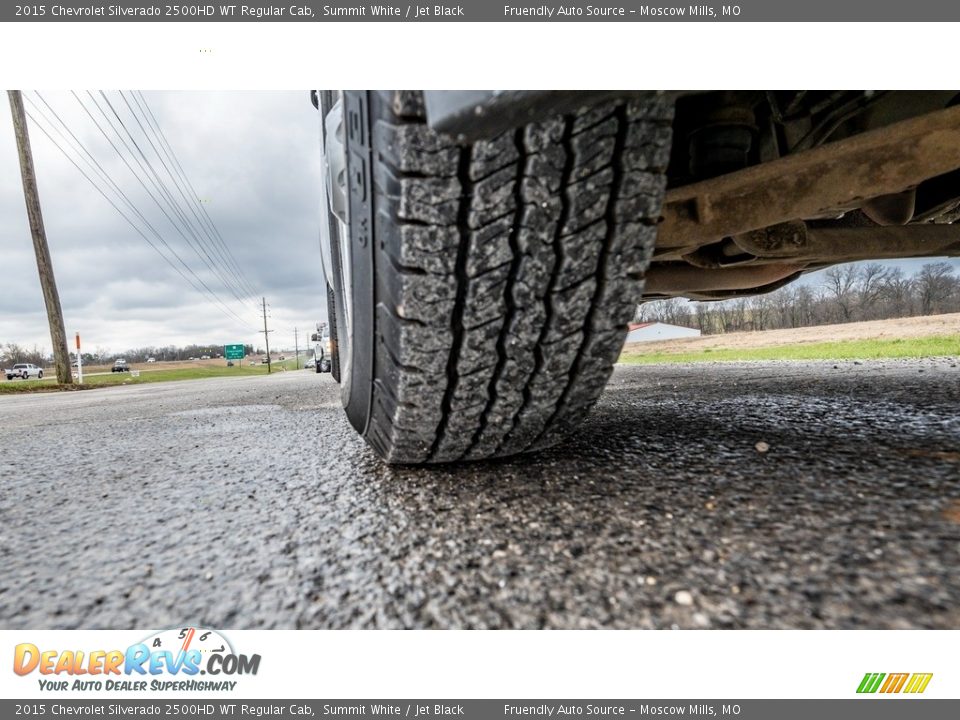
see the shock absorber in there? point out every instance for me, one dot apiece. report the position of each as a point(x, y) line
point(723, 142)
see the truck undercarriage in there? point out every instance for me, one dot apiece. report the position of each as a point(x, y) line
point(763, 186)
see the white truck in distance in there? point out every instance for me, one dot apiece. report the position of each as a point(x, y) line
point(24, 371)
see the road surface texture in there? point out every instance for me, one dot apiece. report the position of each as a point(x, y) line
point(249, 502)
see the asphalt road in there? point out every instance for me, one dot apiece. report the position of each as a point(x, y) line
point(249, 502)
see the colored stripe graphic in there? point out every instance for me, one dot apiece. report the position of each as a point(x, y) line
point(895, 682)
point(918, 682)
point(870, 682)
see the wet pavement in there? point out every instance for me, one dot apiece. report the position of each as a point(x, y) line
point(754, 495)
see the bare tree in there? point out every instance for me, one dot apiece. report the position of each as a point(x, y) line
point(896, 293)
point(871, 280)
point(935, 284)
point(761, 310)
point(704, 317)
point(676, 311)
point(15, 353)
point(804, 305)
point(841, 283)
point(782, 301)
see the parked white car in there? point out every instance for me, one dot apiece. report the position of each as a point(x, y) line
point(24, 371)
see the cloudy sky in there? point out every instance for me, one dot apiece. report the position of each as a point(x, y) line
point(253, 159)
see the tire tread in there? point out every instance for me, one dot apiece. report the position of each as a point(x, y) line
point(513, 269)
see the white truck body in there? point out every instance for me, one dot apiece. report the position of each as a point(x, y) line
point(24, 371)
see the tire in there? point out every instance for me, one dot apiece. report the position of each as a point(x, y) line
point(493, 283)
point(332, 322)
point(40, 375)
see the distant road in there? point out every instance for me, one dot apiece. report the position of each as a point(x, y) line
point(760, 495)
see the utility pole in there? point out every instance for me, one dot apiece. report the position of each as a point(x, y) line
point(266, 334)
point(58, 336)
point(296, 347)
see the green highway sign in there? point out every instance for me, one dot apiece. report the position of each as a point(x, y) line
point(233, 352)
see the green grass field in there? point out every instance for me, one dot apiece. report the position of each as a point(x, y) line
point(933, 346)
point(49, 384)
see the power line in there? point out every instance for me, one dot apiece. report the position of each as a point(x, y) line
point(180, 189)
point(150, 193)
point(141, 102)
point(135, 210)
point(176, 161)
point(133, 172)
point(125, 199)
point(182, 215)
point(164, 192)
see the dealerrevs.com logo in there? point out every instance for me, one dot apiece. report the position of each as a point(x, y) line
point(169, 660)
point(891, 683)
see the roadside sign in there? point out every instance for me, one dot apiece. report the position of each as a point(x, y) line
point(79, 360)
point(233, 352)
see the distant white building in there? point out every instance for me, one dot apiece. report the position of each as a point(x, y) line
point(644, 332)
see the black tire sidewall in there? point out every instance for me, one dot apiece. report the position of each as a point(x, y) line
point(357, 388)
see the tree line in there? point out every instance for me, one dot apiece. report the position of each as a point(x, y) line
point(846, 293)
point(12, 353)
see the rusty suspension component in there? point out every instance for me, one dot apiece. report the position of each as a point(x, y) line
point(816, 183)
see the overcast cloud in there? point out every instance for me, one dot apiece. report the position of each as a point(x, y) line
point(252, 157)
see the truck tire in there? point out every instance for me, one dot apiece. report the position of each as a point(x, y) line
point(40, 375)
point(492, 283)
